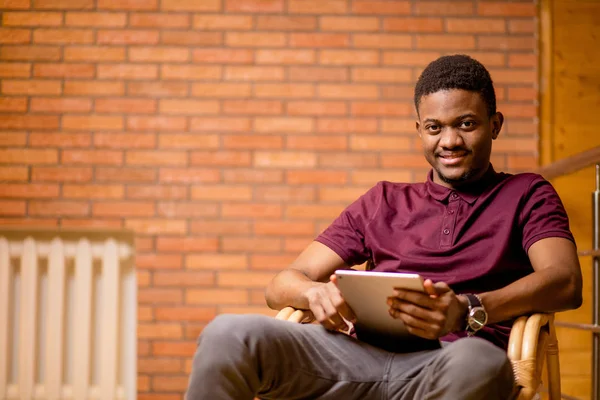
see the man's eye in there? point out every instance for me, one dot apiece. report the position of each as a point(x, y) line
point(467, 124)
point(433, 128)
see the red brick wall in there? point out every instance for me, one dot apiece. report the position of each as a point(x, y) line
point(228, 133)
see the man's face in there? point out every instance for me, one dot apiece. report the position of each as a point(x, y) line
point(457, 135)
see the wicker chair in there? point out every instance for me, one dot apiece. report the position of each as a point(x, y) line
point(532, 340)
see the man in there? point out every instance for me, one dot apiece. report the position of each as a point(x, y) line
point(485, 241)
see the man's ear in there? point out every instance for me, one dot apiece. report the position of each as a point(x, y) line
point(496, 120)
point(418, 126)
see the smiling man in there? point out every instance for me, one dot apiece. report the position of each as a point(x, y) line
point(492, 246)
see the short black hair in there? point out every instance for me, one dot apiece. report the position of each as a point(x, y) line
point(457, 71)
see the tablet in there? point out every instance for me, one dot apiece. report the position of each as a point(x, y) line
point(366, 293)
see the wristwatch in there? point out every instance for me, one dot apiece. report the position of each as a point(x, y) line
point(476, 315)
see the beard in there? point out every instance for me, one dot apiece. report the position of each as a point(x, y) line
point(461, 179)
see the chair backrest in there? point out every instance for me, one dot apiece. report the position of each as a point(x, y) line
point(67, 315)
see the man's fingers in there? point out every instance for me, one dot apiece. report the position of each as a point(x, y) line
point(418, 298)
point(410, 308)
point(417, 326)
point(441, 287)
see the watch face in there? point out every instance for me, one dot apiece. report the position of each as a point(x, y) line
point(477, 318)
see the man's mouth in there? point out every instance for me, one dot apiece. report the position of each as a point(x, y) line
point(452, 158)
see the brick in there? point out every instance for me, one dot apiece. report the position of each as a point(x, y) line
point(506, 9)
point(190, 5)
point(125, 105)
point(271, 262)
point(284, 159)
point(170, 383)
point(252, 142)
point(15, 4)
point(151, 157)
point(473, 25)
point(127, 71)
point(219, 227)
point(403, 92)
point(157, 89)
point(64, 4)
point(381, 143)
point(222, 22)
point(381, 7)
point(58, 208)
point(143, 280)
point(94, 53)
point(515, 145)
point(158, 123)
point(60, 105)
point(101, 157)
point(190, 72)
point(381, 40)
point(28, 156)
point(352, 24)
point(446, 42)
point(143, 382)
point(59, 139)
point(317, 142)
point(509, 43)
point(186, 244)
point(223, 56)
point(383, 75)
point(318, 74)
point(524, 163)
point(92, 223)
point(158, 54)
point(147, 365)
point(221, 89)
point(189, 175)
point(121, 36)
point(252, 6)
point(285, 23)
point(179, 348)
point(313, 211)
point(347, 160)
point(170, 192)
point(348, 57)
point(513, 76)
point(332, 91)
point(250, 244)
point(317, 108)
point(161, 296)
point(318, 40)
point(221, 158)
point(29, 53)
point(93, 88)
point(413, 24)
point(185, 314)
point(13, 104)
point(12, 208)
point(108, 174)
point(158, 20)
point(190, 38)
point(120, 208)
point(188, 107)
point(284, 228)
point(521, 25)
point(254, 73)
point(156, 226)
point(350, 125)
point(96, 19)
point(244, 279)
point(253, 211)
point(188, 141)
point(14, 36)
point(285, 57)
point(32, 18)
point(381, 108)
point(403, 160)
point(222, 192)
point(409, 58)
point(519, 110)
point(92, 122)
point(290, 245)
point(13, 139)
point(253, 107)
point(522, 60)
point(61, 174)
point(158, 331)
point(255, 39)
point(340, 194)
point(29, 121)
point(30, 222)
point(284, 194)
point(252, 176)
point(94, 191)
point(317, 7)
point(63, 36)
point(159, 261)
point(216, 296)
point(146, 5)
point(444, 8)
point(522, 94)
point(220, 124)
point(31, 86)
point(283, 124)
point(183, 278)
point(316, 177)
point(15, 70)
point(188, 210)
point(371, 177)
point(10, 174)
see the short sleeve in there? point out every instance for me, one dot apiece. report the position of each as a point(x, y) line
point(346, 234)
point(543, 214)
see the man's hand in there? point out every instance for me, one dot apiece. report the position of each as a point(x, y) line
point(328, 306)
point(429, 315)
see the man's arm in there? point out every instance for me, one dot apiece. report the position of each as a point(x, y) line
point(555, 284)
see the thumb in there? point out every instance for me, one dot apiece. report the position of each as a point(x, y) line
point(333, 278)
point(441, 287)
point(430, 288)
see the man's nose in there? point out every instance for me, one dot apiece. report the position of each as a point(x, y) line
point(451, 138)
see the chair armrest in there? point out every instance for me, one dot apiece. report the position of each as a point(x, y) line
point(293, 315)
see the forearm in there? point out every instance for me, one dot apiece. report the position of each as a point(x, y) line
point(288, 288)
point(548, 290)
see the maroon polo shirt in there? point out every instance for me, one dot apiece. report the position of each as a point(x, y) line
point(476, 239)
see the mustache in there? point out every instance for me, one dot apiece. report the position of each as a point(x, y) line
point(453, 153)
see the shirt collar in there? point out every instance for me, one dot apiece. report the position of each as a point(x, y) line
point(468, 194)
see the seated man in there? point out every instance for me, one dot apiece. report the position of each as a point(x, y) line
point(481, 238)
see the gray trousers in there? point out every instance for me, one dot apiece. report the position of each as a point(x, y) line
point(243, 356)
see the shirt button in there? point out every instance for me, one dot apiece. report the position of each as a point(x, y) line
point(446, 231)
point(450, 211)
point(454, 195)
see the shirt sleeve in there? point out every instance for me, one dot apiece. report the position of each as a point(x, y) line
point(346, 234)
point(543, 214)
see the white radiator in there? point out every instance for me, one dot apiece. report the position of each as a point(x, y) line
point(68, 315)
